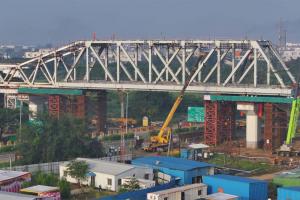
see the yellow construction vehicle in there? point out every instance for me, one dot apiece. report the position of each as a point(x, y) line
point(161, 140)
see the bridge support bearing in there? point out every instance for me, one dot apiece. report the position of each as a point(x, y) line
point(54, 105)
point(275, 126)
point(219, 122)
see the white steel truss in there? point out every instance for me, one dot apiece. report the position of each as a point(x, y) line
point(229, 67)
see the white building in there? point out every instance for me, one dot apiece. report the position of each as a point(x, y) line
point(108, 175)
point(291, 51)
point(40, 52)
point(190, 192)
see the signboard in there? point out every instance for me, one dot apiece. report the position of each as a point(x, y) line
point(196, 114)
point(23, 97)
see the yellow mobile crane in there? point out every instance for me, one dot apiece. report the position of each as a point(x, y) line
point(161, 140)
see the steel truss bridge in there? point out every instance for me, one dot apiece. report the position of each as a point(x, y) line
point(243, 67)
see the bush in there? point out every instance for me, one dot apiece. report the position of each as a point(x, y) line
point(64, 188)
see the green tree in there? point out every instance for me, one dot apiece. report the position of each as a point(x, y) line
point(132, 184)
point(64, 188)
point(54, 139)
point(78, 169)
point(9, 119)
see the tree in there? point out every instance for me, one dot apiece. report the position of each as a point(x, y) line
point(78, 169)
point(64, 188)
point(9, 119)
point(132, 184)
point(54, 139)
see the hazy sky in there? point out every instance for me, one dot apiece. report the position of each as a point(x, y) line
point(62, 21)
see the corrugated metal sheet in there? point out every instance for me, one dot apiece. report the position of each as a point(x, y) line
point(49, 91)
point(290, 193)
point(245, 188)
point(170, 162)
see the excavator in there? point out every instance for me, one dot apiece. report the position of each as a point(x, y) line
point(160, 142)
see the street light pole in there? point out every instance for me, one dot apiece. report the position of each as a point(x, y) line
point(20, 126)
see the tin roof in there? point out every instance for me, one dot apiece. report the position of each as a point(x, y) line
point(106, 167)
point(16, 196)
point(39, 189)
point(178, 189)
point(7, 175)
point(236, 178)
point(220, 196)
point(295, 188)
point(170, 162)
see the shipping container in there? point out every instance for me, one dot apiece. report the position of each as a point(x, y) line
point(244, 188)
point(288, 193)
point(188, 192)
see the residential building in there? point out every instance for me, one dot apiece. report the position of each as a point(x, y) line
point(107, 174)
point(290, 51)
point(186, 171)
point(17, 196)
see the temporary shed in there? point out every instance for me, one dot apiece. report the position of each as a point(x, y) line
point(220, 196)
point(107, 174)
point(43, 191)
point(188, 171)
point(16, 196)
point(190, 192)
point(288, 193)
point(244, 188)
point(10, 181)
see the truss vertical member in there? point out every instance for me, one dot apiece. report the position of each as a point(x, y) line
point(54, 105)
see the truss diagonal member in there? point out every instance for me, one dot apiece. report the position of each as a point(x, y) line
point(166, 64)
point(180, 60)
point(279, 79)
point(8, 76)
point(201, 65)
point(74, 64)
point(47, 72)
point(33, 74)
point(133, 64)
point(247, 70)
point(215, 67)
point(237, 66)
point(153, 66)
point(102, 64)
point(123, 67)
point(65, 66)
point(292, 78)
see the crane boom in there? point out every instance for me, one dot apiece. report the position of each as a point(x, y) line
point(164, 134)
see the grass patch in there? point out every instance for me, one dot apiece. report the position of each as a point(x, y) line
point(223, 160)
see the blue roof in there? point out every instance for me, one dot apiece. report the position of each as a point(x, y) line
point(237, 178)
point(295, 188)
point(170, 162)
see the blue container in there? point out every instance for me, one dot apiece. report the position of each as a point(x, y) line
point(244, 188)
point(288, 193)
point(184, 153)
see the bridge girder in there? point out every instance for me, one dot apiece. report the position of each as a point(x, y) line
point(230, 67)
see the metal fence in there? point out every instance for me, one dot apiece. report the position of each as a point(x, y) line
point(53, 167)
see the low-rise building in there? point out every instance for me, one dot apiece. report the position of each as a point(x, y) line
point(221, 196)
point(43, 192)
point(187, 171)
point(244, 188)
point(11, 181)
point(108, 175)
point(17, 196)
point(190, 192)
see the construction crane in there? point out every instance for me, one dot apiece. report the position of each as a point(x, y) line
point(287, 148)
point(162, 139)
